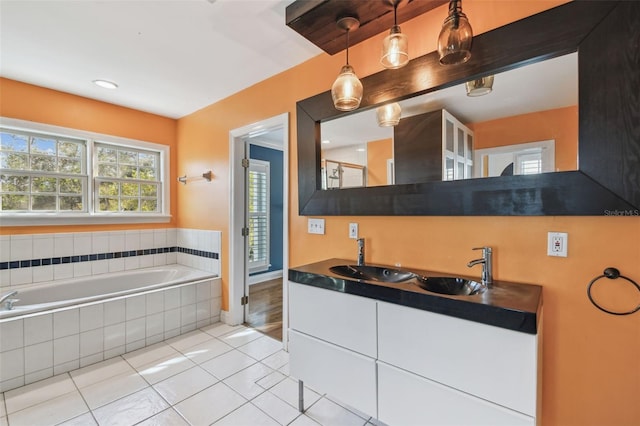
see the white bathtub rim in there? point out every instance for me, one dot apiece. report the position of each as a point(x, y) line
point(196, 276)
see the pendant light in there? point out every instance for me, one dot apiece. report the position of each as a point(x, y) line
point(347, 89)
point(479, 86)
point(395, 46)
point(454, 42)
point(388, 115)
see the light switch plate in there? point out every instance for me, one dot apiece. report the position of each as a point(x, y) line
point(353, 231)
point(315, 226)
point(557, 243)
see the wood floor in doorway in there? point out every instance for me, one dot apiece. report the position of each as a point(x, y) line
point(265, 308)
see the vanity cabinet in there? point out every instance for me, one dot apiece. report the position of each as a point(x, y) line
point(408, 366)
point(333, 344)
point(436, 369)
point(410, 400)
point(434, 146)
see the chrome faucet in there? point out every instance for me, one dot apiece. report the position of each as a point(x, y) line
point(487, 265)
point(6, 299)
point(360, 251)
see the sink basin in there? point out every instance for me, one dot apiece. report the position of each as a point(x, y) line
point(451, 285)
point(372, 273)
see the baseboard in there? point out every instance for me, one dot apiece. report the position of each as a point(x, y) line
point(267, 276)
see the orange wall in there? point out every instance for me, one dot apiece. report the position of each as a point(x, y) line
point(32, 103)
point(560, 124)
point(591, 372)
point(378, 152)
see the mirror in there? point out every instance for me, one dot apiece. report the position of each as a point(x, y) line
point(527, 124)
point(608, 175)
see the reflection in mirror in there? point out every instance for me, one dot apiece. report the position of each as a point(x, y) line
point(527, 124)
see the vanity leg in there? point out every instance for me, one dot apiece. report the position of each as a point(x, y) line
point(301, 396)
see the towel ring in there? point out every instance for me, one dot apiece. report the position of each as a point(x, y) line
point(612, 274)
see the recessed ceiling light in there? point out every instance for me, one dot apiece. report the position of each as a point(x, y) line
point(105, 84)
point(360, 149)
point(326, 141)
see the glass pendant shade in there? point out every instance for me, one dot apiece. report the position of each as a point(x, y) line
point(346, 90)
point(480, 86)
point(454, 42)
point(395, 49)
point(388, 115)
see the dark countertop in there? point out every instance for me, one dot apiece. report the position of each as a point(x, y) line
point(508, 305)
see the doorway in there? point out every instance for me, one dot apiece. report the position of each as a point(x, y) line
point(264, 219)
point(259, 226)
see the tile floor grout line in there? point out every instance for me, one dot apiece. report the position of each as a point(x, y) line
point(170, 407)
point(261, 410)
point(247, 401)
point(149, 386)
point(41, 402)
point(83, 399)
point(4, 404)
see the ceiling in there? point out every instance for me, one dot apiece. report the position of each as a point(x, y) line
point(539, 86)
point(168, 57)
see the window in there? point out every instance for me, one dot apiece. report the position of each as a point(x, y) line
point(127, 179)
point(529, 163)
point(258, 218)
point(42, 173)
point(56, 175)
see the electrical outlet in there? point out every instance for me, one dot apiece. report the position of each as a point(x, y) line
point(353, 231)
point(315, 226)
point(557, 244)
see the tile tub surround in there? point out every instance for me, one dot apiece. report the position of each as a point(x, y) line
point(218, 375)
point(37, 346)
point(35, 258)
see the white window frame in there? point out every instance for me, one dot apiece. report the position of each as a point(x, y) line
point(89, 216)
point(546, 148)
point(99, 179)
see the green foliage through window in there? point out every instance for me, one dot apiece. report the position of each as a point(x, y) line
point(43, 173)
point(38, 171)
point(128, 179)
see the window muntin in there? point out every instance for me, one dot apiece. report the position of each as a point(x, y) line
point(42, 173)
point(127, 179)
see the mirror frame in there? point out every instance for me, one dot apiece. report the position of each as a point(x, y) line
point(608, 179)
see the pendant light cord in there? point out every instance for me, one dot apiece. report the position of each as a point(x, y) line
point(347, 46)
point(454, 11)
point(395, 14)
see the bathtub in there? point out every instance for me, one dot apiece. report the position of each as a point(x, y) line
point(78, 291)
point(63, 325)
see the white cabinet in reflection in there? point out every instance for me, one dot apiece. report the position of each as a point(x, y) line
point(457, 148)
point(434, 146)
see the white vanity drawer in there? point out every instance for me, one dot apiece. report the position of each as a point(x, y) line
point(406, 399)
point(343, 374)
point(492, 363)
point(343, 319)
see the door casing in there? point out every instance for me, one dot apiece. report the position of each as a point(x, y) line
point(238, 274)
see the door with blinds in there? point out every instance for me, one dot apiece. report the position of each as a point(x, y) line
point(258, 189)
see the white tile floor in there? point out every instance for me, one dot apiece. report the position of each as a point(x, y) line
point(220, 375)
